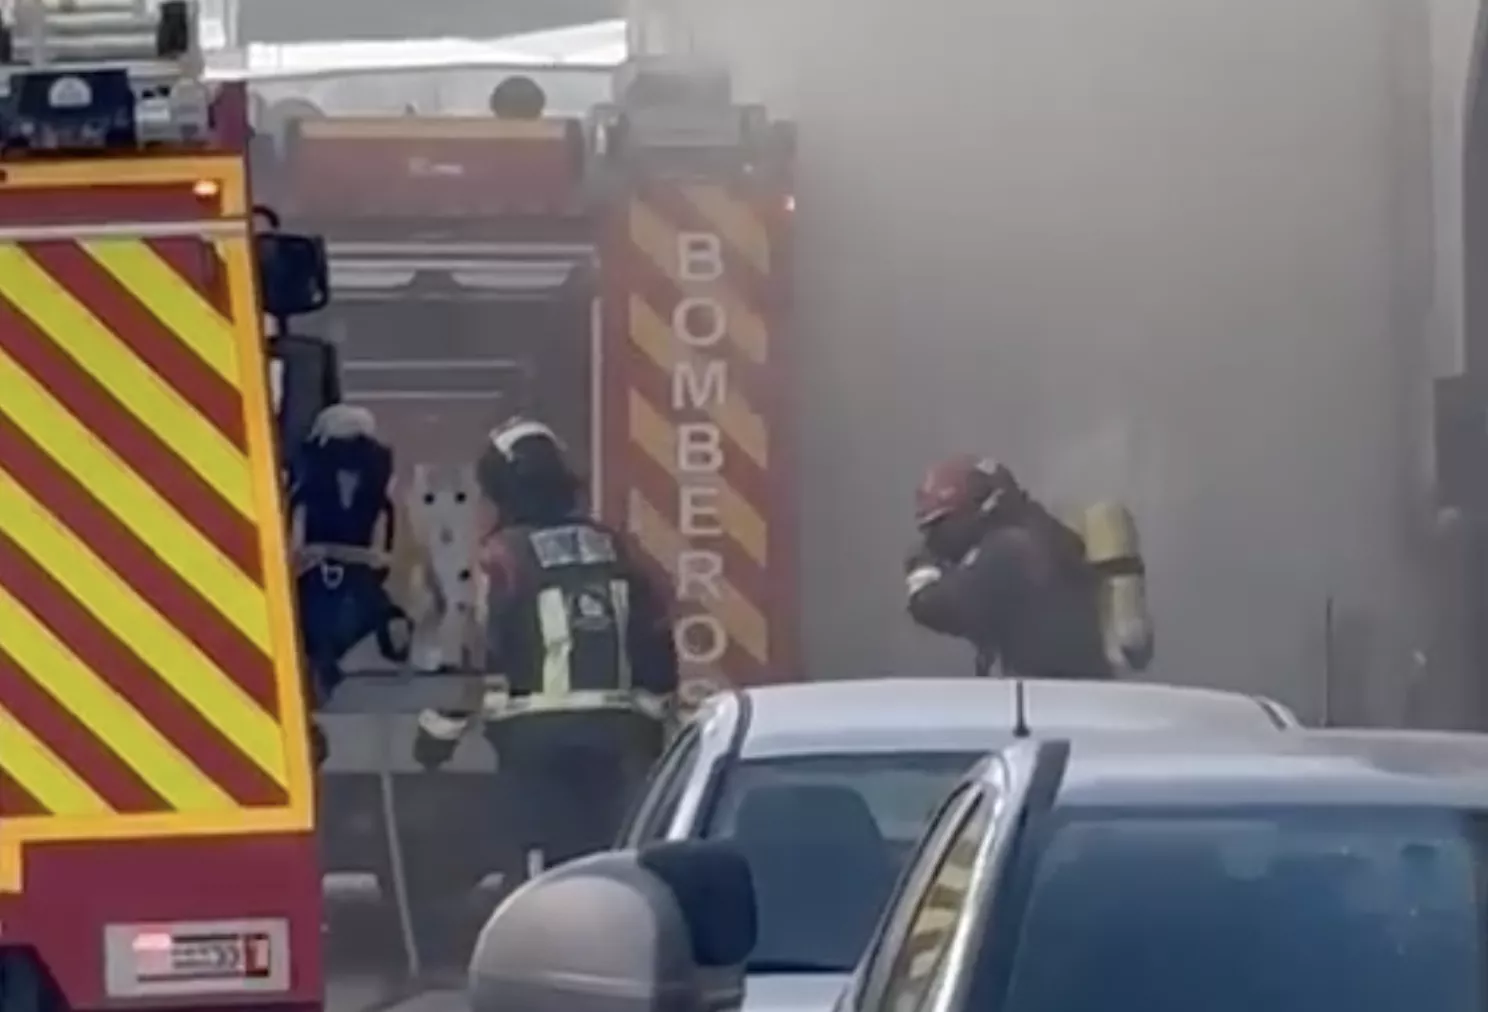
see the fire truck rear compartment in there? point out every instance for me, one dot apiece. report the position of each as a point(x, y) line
point(440, 344)
point(441, 349)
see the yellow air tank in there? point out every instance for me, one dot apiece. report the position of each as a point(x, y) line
point(1115, 551)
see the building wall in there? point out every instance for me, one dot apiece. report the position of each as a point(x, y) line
point(1179, 251)
point(1459, 541)
point(1453, 34)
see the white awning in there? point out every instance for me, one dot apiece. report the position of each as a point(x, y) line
point(601, 44)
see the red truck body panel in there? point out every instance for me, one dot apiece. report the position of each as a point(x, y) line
point(423, 169)
point(697, 385)
point(156, 768)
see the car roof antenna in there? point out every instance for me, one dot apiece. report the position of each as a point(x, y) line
point(1020, 710)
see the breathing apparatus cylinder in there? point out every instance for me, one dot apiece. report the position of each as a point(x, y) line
point(1114, 551)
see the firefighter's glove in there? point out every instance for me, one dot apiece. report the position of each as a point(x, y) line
point(432, 753)
point(438, 738)
point(921, 568)
point(920, 556)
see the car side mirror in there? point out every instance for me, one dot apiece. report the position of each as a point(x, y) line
point(294, 274)
point(665, 929)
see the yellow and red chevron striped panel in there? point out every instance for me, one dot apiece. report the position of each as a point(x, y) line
point(694, 386)
point(149, 680)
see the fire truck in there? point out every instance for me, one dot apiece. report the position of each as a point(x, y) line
point(156, 802)
point(618, 274)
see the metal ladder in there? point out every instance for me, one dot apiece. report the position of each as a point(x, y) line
point(57, 45)
point(144, 35)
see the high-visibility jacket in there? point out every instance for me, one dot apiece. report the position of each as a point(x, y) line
point(574, 622)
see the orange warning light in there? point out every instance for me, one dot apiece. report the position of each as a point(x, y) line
point(206, 189)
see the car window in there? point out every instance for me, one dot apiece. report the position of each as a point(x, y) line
point(826, 837)
point(1231, 911)
point(900, 789)
point(938, 906)
point(653, 814)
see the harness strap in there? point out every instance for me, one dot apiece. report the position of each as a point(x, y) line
point(322, 553)
point(1128, 566)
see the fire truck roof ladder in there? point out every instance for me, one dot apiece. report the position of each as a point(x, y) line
point(100, 74)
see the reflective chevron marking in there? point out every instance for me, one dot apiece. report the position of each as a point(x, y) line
point(38, 771)
point(149, 670)
point(691, 398)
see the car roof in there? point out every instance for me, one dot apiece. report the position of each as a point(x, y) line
point(1187, 768)
point(977, 714)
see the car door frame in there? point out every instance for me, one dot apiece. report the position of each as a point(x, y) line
point(889, 937)
point(716, 729)
point(675, 762)
point(723, 733)
point(1001, 894)
point(1020, 782)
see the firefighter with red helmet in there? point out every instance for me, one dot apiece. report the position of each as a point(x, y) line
point(997, 569)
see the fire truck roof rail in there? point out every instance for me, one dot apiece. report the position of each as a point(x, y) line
point(90, 74)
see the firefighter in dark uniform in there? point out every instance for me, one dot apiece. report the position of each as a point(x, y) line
point(580, 627)
point(997, 569)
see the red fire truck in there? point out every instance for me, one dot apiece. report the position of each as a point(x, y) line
point(629, 292)
point(620, 275)
point(156, 800)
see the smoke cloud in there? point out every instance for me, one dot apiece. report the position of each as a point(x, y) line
point(1176, 251)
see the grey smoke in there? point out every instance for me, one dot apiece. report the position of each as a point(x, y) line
point(1180, 251)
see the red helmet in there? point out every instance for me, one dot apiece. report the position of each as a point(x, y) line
point(963, 484)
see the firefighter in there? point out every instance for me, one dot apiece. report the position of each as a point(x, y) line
point(995, 568)
point(342, 533)
point(579, 626)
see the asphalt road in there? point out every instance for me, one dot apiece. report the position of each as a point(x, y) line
point(366, 965)
point(367, 994)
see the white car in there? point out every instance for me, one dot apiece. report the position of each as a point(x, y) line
point(826, 786)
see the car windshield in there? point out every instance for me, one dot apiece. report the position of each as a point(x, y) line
point(1290, 911)
point(826, 836)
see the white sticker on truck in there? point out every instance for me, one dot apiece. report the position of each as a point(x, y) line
point(180, 959)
